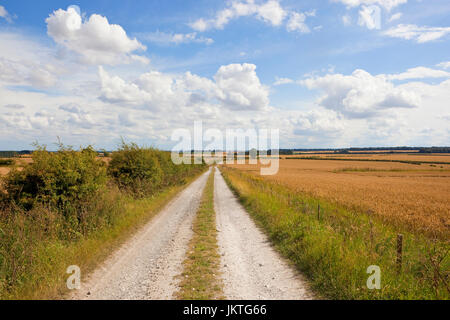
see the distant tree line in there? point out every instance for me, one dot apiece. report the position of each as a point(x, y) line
point(105, 153)
point(378, 149)
point(435, 150)
point(13, 154)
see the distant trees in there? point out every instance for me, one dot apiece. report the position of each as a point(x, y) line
point(12, 154)
point(343, 151)
point(435, 150)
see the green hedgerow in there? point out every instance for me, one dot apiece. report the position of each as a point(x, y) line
point(63, 179)
point(136, 169)
point(144, 171)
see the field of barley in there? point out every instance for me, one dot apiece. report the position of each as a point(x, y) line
point(403, 194)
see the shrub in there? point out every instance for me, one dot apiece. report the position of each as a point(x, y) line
point(65, 179)
point(145, 171)
point(136, 169)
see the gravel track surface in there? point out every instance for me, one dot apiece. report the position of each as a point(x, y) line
point(251, 269)
point(145, 267)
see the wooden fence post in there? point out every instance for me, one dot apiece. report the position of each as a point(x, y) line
point(399, 252)
point(318, 211)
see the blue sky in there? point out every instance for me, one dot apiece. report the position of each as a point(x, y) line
point(327, 73)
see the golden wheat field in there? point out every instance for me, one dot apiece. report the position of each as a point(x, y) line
point(380, 156)
point(410, 195)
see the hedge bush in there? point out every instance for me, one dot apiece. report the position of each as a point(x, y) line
point(65, 179)
point(145, 171)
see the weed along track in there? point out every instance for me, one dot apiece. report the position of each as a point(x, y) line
point(200, 279)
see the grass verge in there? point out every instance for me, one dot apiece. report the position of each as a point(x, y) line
point(200, 277)
point(334, 246)
point(34, 266)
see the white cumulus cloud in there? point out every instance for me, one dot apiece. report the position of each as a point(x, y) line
point(240, 87)
point(95, 39)
point(318, 122)
point(419, 73)
point(387, 4)
point(281, 81)
point(444, 65)
point(270, 12)
point(369, 16)
point(116, 90)
point(395, 16)
point(5, 14)
point(416, 33)
point(297, 23)
point(26, 62)
point(165, 38)
point(361, 94)
point(234, 86)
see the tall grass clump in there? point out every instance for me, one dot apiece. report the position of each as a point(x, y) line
point(333, 245)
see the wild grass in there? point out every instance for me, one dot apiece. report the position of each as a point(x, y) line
point(200, 279)
point(333, 246)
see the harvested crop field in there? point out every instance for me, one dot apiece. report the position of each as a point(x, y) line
point(406, 195)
